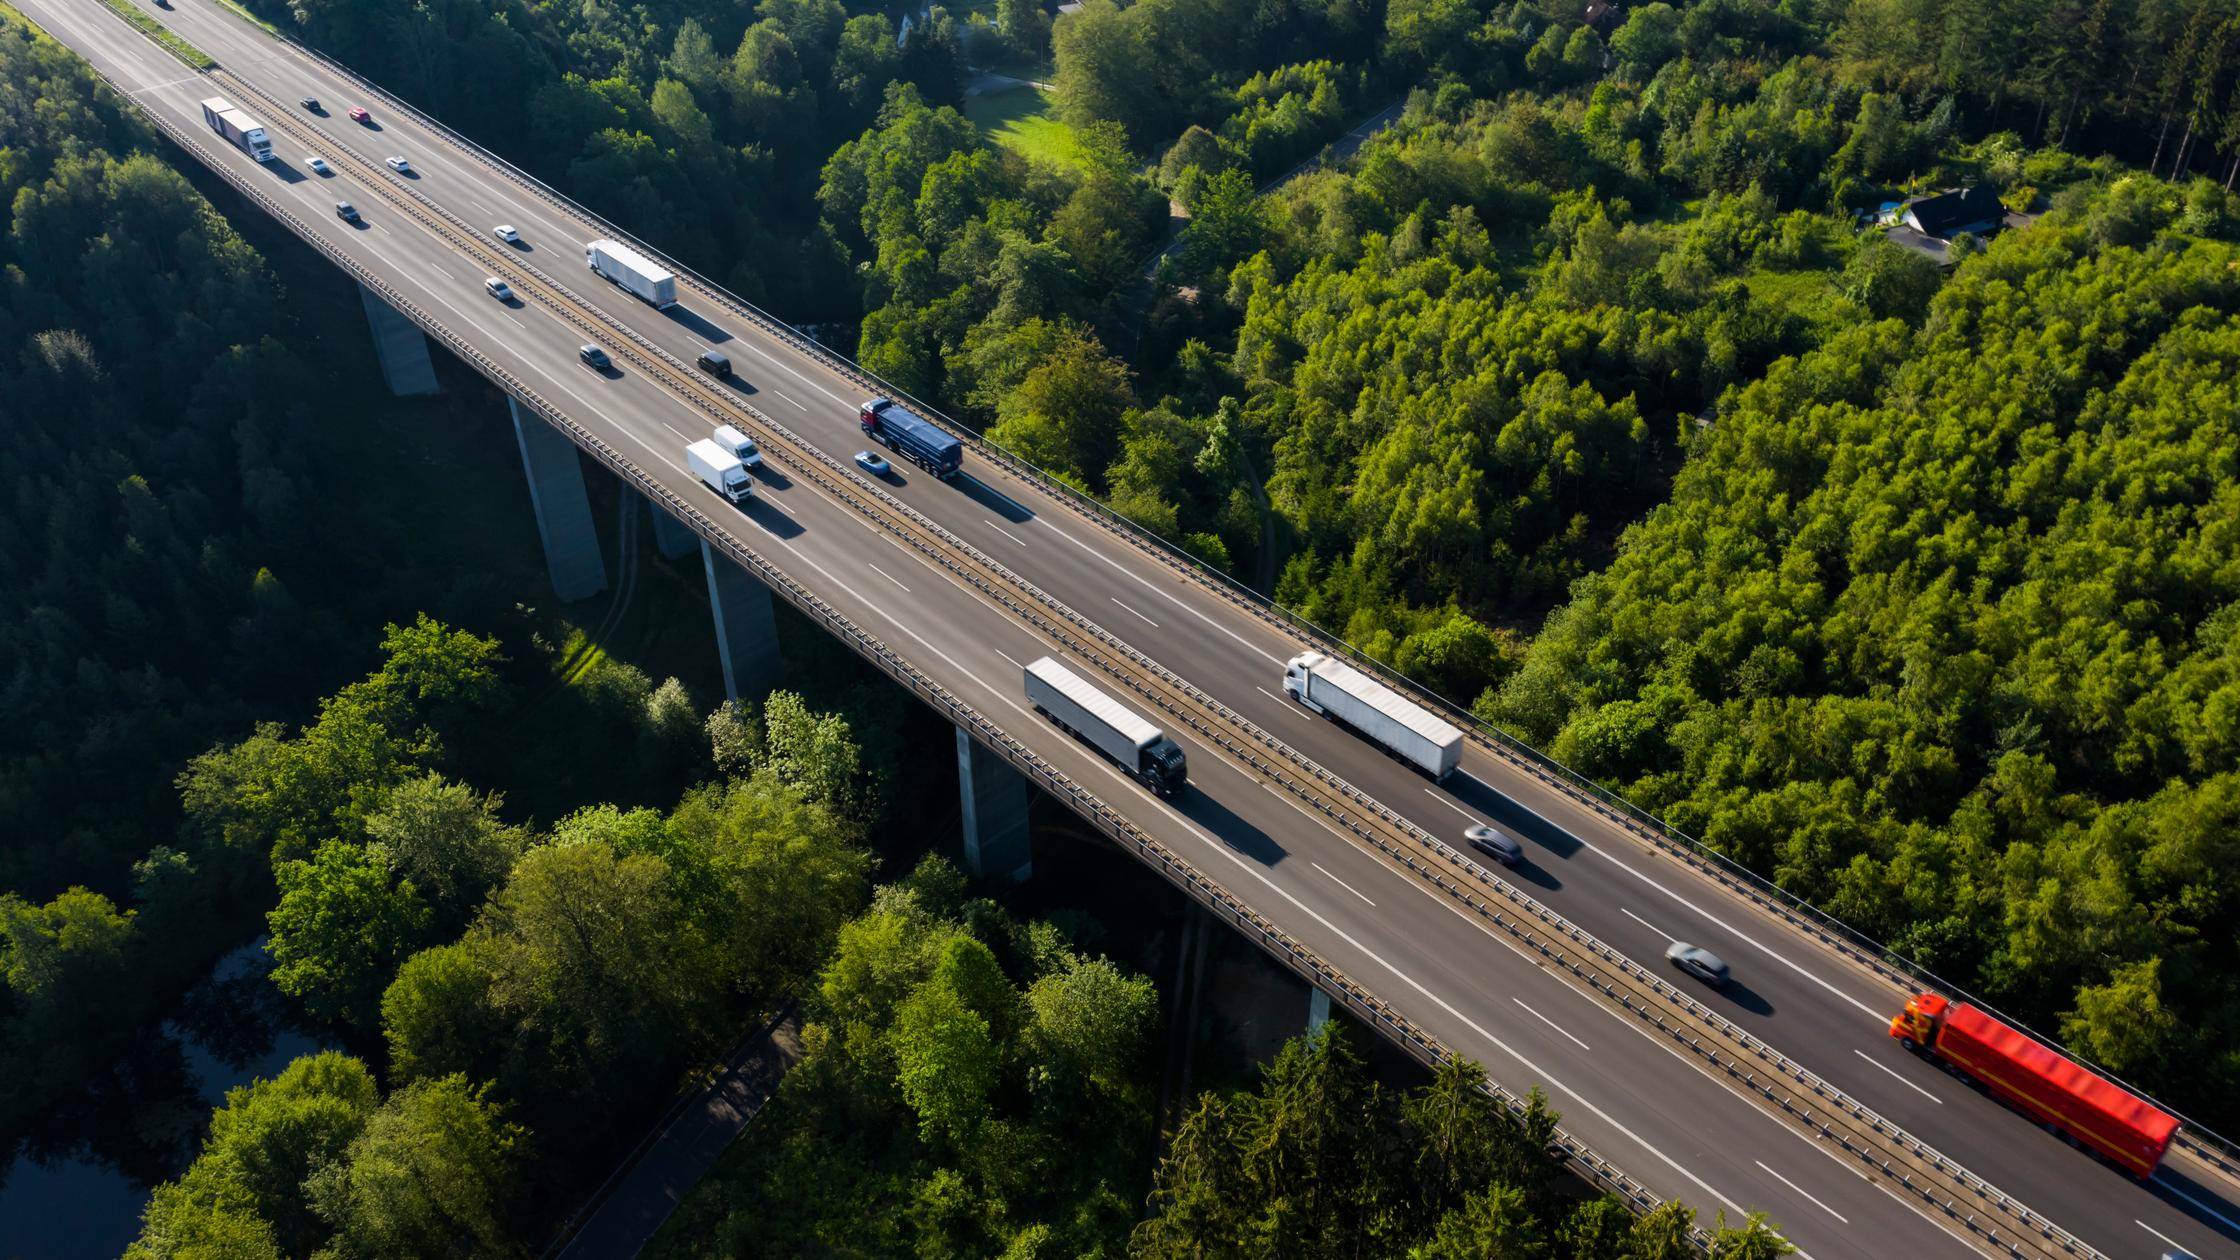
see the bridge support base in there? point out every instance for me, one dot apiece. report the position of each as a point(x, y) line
point(401, 347)
point(746, 628)
point(993, 797)
point(571, 541)
point(1318, 1010)
point(673, 537)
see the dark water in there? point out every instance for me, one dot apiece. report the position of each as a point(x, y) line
point(76, 1192)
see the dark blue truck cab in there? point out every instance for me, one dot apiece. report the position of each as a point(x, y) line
point(911, 436)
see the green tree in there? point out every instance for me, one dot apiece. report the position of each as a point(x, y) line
point(431, 1172)
point(245, 1189)
point(447, 841)
point(1891, 282)
point(1066, 413)
point(345, 920)
point(947, 1062)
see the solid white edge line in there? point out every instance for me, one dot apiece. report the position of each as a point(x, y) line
point(1801, 1190)
point(1552, 1024)
point(1901, 1080)
point(1645, 923)
point(2226, 1221)
point(1340, 883)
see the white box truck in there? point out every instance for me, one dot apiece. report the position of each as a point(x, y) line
point(1407, 730)
point(633, 271)
point(240, 130)
point(719, 470)
point(1110, 727)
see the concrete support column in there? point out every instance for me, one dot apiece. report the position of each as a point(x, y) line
point(401, 347)
point(1318, 1010)
point(674, 538)
point(993, 797)
point(571, 542)
point(746, 627)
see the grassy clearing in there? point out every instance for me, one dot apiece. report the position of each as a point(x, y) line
point(1019, 119)
point(157, 31)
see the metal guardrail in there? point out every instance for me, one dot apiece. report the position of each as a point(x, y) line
point(1799, 913)
point(1594, 1168)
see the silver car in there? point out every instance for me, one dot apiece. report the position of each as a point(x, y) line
point(1698, 962)
point(1495, 844)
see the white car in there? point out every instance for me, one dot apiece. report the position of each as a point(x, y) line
point(498, 289)
point(507, 233)
point(319, 166)
point(400, 166)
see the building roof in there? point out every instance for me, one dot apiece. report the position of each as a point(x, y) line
point(1972, 209)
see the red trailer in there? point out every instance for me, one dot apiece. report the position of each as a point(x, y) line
point(2110, 1119)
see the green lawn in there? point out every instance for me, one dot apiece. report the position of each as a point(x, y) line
point(1019, 118)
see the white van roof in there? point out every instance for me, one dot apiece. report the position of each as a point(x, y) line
point(731, 438)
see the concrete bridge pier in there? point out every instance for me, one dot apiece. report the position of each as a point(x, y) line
point(746, 627)
point(1318, 1010)
point(673, 537)
point(401, 347)
point(571, 541)
point(993, 798)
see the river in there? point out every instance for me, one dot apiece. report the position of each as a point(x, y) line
point(83, 1201)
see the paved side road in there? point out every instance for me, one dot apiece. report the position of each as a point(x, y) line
point(655, 1178)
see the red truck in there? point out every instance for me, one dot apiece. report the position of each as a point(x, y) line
point(2110, 1119)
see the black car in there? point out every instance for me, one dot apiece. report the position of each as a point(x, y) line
point(311, 103)
point(715, 363)
point(346, 212)
point(594, 356)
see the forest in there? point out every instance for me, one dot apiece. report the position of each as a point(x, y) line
point(1583, 394)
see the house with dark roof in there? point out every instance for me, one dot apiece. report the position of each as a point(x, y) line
point(1975, 209)
point(1926, 225)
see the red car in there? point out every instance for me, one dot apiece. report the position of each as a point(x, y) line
point(358, 114)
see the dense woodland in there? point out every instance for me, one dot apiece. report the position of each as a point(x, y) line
point(1579, 394)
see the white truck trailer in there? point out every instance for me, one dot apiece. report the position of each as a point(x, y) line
point(240, 130)
point(719, 470)
point(1112, 728)
point(633, 271)
point(1407, 730)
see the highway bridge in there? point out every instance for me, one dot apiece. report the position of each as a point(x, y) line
point(1781, 1094)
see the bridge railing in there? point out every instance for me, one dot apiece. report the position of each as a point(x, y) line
point(1794, 910)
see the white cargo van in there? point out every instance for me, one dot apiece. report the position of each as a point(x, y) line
point(738, 444)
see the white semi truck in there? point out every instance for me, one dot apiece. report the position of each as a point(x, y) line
point(1112, 728)
point(1407, 730)
point(719, 470)
point(240, 130)
point(632, 270)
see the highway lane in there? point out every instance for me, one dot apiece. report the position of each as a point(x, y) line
point(1175, 621)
